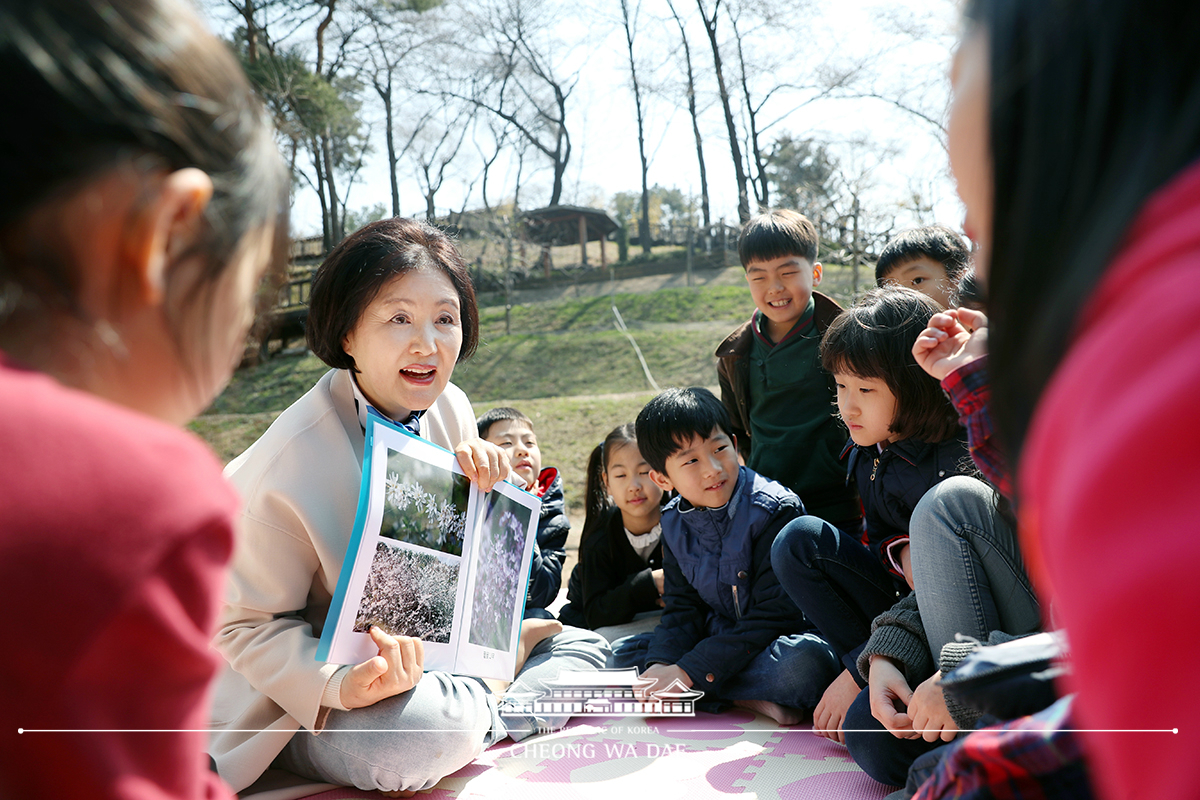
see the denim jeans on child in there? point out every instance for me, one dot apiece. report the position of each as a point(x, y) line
point(412, 740)
point(967, 568)
point(835, 580)
point(792, 671)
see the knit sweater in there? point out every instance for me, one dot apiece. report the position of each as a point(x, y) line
point(614, 582)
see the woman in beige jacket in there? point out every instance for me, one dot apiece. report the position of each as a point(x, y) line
point(392, 311)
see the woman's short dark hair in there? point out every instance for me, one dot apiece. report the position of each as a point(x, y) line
point(1091, 111)
point(874, 339)
point(670, 420)
point(352, 275)
point(88, 86)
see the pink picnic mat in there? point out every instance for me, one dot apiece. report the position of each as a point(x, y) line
point(690, 758)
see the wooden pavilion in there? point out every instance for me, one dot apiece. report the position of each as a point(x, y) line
point(561, 225)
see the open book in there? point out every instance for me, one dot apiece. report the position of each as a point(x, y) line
point(433, 557)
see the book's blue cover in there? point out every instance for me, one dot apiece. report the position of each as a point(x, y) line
point(360, 522)
point(337, 601)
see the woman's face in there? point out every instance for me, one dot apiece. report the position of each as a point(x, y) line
point(970, 149)
point(407, 341)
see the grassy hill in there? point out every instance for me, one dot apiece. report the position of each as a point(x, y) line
point(562, 363)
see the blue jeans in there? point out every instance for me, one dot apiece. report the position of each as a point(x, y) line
point(413, 740)
point(967, 568)
point(835, 580)
point(793, 670)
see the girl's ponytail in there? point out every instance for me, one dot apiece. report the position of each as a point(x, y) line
point(596, 502)
point(595, 495)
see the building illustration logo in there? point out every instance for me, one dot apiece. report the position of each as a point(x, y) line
point(603, 692)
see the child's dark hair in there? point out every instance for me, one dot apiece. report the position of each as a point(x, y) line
point(500, 414)
point(777, 234)
point(670, 420)
point(874, 339)
point(595, 500)
point(101, 85)
point(936, 242)
point(970, 291)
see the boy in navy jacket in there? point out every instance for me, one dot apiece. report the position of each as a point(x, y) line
point(728, 627)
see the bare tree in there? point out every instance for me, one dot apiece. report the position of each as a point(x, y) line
point(691, 99)
point(739, 169)
point(514, 76)
point(629, 23)
point(784, 83)
point(433, 151)
point(398, 34)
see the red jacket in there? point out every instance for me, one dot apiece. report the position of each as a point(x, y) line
point(1108, 509)
point(115, 530)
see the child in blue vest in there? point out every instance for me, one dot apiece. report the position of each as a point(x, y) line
point(728, 628)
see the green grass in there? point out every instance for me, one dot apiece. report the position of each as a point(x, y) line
point(664, 306)
point(586, 363)
point(272, 386)
point(229, 434)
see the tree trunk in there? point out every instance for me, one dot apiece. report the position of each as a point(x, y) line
point(319, 169)
point(691, 93)
point(336, 230)
point(644, 219)
point(324, 24)
point(247, 11)
point(710, 25)
point(385, 93)
point(759, 180)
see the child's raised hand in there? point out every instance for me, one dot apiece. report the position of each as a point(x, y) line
point(397, 668)
point(483, 462)
point(890, 694)
point(952, 339)
point(929, 713)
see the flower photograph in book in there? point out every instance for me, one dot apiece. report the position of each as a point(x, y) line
point(501, 549)
point(409, 593)
point(424, 505)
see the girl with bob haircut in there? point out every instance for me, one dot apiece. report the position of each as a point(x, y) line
point(392, 312)
point(1074, 136)
point(909, 457)
point(144, 200)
